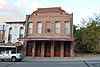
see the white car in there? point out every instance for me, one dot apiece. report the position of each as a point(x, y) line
point(10, 55)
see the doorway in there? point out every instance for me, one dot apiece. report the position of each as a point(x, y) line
point(29, 48)
point(66, 49)
point(57, 49)
point(47, 52)
point(38, 49)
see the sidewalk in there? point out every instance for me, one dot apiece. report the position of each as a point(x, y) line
point(96, 58)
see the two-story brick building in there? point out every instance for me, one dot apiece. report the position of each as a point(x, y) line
point(49, 33)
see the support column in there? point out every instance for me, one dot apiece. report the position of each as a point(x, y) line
point(52, 49)
point(62, 49)
point(72, 49)
point(25, 48)
point(33, 49)
point(42, 49)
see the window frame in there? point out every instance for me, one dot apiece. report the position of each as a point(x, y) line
point(67, 27)
point(21, 32)
point(39, 30)
point(10, 34)
point(29, 29)
point(59, 27)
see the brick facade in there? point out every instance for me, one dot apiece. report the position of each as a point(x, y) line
point(50, 15)
point(49, 44)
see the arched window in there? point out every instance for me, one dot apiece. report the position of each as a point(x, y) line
point(10, 34)
point(21, 32)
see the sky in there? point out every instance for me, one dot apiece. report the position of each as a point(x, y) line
point(16, 10)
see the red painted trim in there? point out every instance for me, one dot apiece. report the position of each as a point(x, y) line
point(47, 54)
point(57, 54)
point(38, 54)
point(29, 53)
point(67, 54)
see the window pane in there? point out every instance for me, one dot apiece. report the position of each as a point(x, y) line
point(10, 34)
point(67, 31)
point(39, 31)
point(30, 31)
point(21, 30)
point(30, 26)
point(57, 31)
point(57, 27)
point(39, 27)
point(9, 37)
point(57, 24)
point(10, 30)
point(67, 27)
point(21, 36)
point(67, 24)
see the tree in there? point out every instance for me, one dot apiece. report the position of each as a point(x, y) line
point(87, 37)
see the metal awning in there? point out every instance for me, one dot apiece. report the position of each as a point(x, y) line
point(6, 46)
point(10, 45)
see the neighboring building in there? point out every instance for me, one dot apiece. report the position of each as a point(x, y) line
point(14, 30)
point(49, 33)
point(2, 33)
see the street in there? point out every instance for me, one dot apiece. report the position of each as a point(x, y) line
point(51, 64)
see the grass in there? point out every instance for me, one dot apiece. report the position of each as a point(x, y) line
point(83, 54)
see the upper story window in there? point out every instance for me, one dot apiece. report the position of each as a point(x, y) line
point(67, 27)
point(10, 34)
point(30, 26)
point(39, 27)
point(21, 32)
point(57, 27)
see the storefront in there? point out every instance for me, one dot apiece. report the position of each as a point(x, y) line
point(17, 47)
point(48, 48)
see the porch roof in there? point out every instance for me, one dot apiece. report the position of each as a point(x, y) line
point(52, 39)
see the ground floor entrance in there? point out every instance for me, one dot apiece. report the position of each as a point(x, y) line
point(49, 48)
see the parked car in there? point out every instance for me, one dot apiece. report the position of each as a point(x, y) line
point(11, 55)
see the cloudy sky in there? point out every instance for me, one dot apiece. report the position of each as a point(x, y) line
point(16, 10)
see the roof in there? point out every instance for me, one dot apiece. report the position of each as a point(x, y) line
point(16, 22)
point(53, 9)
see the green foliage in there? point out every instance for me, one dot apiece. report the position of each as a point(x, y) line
point(88, 36)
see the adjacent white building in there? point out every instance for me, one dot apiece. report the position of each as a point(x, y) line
point(13, 31)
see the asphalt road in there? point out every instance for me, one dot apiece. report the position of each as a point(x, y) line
point(51, 64)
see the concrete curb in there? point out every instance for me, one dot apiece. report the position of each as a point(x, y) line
point(62, 59)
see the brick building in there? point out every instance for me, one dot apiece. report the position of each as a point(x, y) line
point(49, 33)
